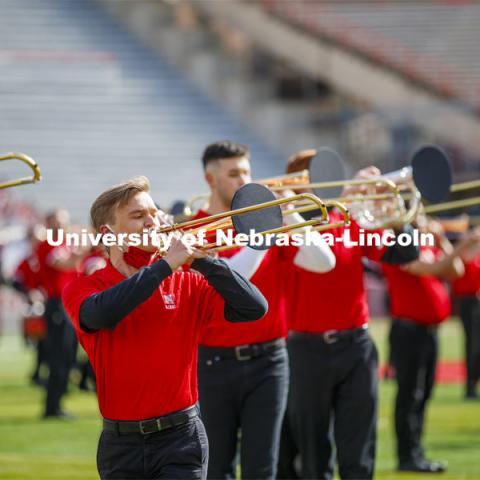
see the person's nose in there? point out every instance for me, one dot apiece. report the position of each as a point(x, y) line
point(149, 222)
point(242, 180)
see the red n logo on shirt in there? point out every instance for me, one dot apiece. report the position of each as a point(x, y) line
point(169, 301)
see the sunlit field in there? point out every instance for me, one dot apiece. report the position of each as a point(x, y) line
point(31, 448)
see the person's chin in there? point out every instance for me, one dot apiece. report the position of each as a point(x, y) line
point(148, 248)
point(228, 203)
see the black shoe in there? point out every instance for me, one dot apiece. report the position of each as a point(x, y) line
point(36, 380)
point(60, 414)
point(471, 395)
point(83, 385)
point(422, 466)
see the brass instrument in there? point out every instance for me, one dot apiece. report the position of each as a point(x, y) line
point(380, 202)
point(456, 204)
point(323, 163)
point(245, 215)
point(36, 176)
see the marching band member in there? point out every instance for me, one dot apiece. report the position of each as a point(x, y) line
point(333, 360)
point(95, 259)
point(243, 369)
point(419, 302)
point(57, 268)
point(26, 280)
point(467, 290)
point(139, 319)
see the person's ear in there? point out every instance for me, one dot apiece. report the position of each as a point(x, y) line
point(104, 229)
point(210, 179)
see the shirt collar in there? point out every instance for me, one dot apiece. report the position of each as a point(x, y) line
point(138, 258)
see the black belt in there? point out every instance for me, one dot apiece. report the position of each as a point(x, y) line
point(333, 336)
point(242, 352)
point(416, 325)
point(152, 425)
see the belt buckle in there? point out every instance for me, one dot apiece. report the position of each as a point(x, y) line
point(242, 357)
point(328, 337)
point(155, 423)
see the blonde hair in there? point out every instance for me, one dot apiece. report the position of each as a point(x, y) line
point(103, 208)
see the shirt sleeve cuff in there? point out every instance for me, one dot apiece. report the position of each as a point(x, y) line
point(161, 270)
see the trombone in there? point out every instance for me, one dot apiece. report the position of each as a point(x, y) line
point(370, 210)
point(429, 176)
point(255, 208)
point(386, 201)
point(36, 174)
point(428, 209)
point(456, 204)
point(324, 163)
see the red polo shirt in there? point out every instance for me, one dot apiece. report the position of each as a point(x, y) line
point(336, 300)
point(271, 280)
point(95, 260)
point(147, 365)
point(28, 273)
point(423, 299)
point(52, 280)
point(469, 284)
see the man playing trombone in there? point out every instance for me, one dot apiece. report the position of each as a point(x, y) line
point(333, 360)
point(139, 319)
point(243, 369)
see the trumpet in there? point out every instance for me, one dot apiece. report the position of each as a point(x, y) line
point(36, 174)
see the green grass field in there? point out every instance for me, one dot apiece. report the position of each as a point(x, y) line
point(31, 448)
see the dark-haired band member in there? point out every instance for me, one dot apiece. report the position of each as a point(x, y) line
point(138, 319)
point(419, 302)
point(243, 369)
point(467, 290)
point(333, 361)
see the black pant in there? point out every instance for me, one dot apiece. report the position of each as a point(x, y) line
point(243, 396)
point(414, 350)
point(470, 315)
point(41, 358)
point(87, 376)
point(61, 346)
point(333, 398)
point(176, 453)
point(288, 453)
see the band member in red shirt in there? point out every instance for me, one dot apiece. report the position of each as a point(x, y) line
point(333, 361)
point(57, 268)
point(26, 280)
point(96, 259)
point(139, 319)
point(467, 290)
point(419, 302)
point(243, 369)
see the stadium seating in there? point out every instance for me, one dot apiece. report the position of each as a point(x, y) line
point(432, 43)
point(94, 107)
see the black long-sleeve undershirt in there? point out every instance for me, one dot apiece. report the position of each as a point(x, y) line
point(399, 255)
point(243, 301)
